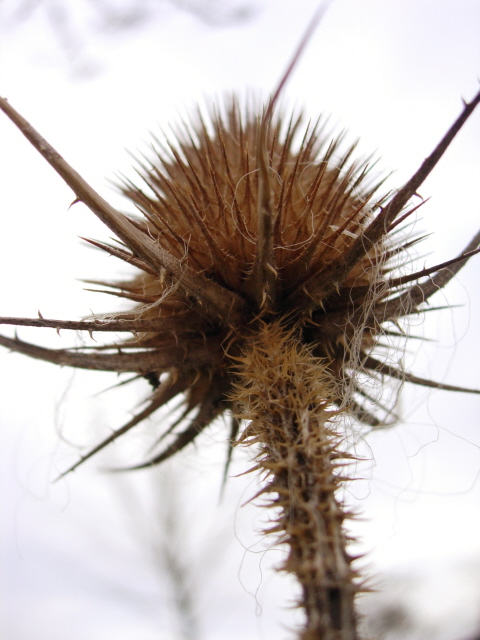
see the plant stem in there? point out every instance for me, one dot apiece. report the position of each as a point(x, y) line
point(287, 396)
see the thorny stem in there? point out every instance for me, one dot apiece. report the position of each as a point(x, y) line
point(286, 394)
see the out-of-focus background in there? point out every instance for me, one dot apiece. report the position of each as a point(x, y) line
point(159, 554)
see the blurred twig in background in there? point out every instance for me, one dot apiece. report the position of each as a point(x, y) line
point(75, 24)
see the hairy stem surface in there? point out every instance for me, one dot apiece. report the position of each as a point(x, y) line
point(287, 396)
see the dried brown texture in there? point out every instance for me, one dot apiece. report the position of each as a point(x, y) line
point(287, 397)
point(261, 243)
point(202, 199)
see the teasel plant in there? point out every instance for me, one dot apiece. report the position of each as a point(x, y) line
point(270, 289)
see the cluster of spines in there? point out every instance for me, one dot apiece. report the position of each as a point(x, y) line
point(288, 398)
point(245, 220)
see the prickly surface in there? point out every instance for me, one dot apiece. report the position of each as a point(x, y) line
point(265, 283)
point(248, 217)
point(203, 199)
point(287, 396)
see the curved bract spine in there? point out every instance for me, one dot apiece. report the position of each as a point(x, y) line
point(266, 276)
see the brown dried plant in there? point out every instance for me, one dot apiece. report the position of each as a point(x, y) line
point(267, 276)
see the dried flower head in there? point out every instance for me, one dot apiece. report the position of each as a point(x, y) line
point(267, 274)
point(249, 218)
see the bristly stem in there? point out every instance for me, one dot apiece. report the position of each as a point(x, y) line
point(287, 395)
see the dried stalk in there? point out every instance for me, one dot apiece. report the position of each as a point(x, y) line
point(265, 299)
point(287, 396)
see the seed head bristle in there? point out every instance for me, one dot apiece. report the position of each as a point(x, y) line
point(248, 219)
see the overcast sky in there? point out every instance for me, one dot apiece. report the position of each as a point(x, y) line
point(78, 563)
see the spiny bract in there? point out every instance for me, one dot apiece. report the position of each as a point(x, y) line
point(247, 219)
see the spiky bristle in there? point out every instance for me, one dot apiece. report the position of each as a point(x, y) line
point(287, 395)
point(249, 218)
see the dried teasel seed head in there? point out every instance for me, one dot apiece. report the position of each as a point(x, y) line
point(250, 216)
point(266, 277)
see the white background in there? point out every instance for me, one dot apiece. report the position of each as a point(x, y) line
point(79, 556)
